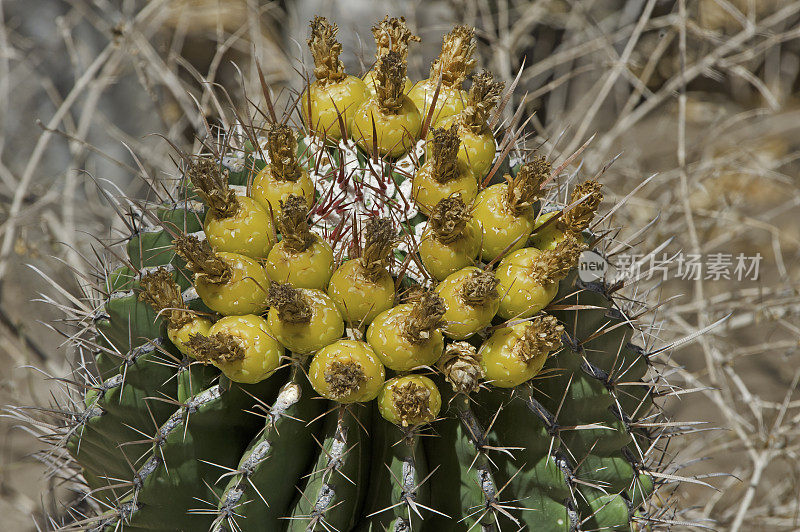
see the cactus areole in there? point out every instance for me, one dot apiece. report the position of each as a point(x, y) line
point(366, 339)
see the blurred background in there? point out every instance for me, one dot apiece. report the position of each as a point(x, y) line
point(700, 95)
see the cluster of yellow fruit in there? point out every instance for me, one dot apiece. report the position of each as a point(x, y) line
point(290, 293)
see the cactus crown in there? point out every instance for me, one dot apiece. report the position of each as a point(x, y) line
point(576, 458)
point(552, 265)
point(449, 219)
point(456, 60)
point(479, 288)
point(425, 317)
point(379, 240)
point(526, 187)
point(325, 50)
point(162, 293)
point(282, 148)
point(542, 335)
point(212, 185)
point(580, 216)
point(444, 152)
point(201, 259)
point(292, 305)
point(293, 224)
point(483, 97)
point(391, 79)
point(461, 367)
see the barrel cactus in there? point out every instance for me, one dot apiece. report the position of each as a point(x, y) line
point(370, 321)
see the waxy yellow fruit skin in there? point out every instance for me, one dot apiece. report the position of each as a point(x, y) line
point(270, 191)
point(396, 133)
point(328, 101)
point(500, 227)
point(450, 101)
point(360, 299)
point(310, 268)
point(180, 336)
point(550, 236)
point(249, 232)
point(502, 367)
point(244, 293)
point(441, 259)
point(385, 335)
point(345, 352)
point(521, 296)
point(324, 327)
point(464, 320)
point(477, 150)
point(370, 82)
point(427, 192)
point(388, 408)
point(262, 353)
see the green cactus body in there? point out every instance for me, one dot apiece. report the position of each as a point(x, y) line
point(166, 443)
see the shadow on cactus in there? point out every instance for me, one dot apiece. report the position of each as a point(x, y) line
point(370, 322)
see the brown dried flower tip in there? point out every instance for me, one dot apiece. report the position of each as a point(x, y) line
point(201, 259)
point(479, 289)
point(448, 219)
point(525, 187)
point(552, 265)
point(391, 80)
point(344, 378)
point(580, 216)
point(456, 60)
point(392, 35)
point(160, 291)
point(293, 224)
point(412, 402)
point(461, 367)
point(483, 97)
point(424, 318)
point(282, 148)
point(444, 152)
point(211, 184)
point(292, 305)
point(220, 347)
point(325, 50)
point(543, 335)
point(379, 240)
